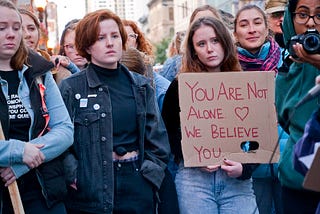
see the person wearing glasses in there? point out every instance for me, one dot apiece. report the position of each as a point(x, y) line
point(136, 39)
point(275, 11)
point(68, 56)
point(68, 48)
point(300, 16)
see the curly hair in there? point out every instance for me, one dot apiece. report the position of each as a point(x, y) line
point(143, 44)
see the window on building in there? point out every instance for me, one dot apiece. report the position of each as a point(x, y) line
point(171, 14)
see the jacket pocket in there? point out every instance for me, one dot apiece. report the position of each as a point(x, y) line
point(86, 126)
point(152, 172)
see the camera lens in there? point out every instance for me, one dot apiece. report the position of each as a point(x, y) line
point(311, 43)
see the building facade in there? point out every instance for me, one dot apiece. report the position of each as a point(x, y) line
point(125, 9)
point(160, 24)
point(160, 21)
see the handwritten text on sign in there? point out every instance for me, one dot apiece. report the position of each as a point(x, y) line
point(219, 111)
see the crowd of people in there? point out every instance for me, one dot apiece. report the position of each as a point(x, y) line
point(96, 129)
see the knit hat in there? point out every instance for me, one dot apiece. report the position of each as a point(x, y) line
point(273, 6)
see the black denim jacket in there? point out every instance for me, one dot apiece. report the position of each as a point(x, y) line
point(93, 138)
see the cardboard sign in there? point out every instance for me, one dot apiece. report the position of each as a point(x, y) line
point(226, 113)
point(311, 181)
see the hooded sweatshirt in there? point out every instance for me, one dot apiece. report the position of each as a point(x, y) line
point(290, 89)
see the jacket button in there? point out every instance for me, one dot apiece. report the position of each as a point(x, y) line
point(100, 89)
point(103, 114)
point(105, 163)
point(103, 138)
point(86, 122)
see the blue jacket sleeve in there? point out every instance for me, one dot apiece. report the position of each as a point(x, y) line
point(60, 136)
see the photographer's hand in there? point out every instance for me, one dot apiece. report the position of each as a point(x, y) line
point(313, 59)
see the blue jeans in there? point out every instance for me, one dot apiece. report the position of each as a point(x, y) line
point(202, 192)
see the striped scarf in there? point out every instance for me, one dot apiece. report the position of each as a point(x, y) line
point(270, 63)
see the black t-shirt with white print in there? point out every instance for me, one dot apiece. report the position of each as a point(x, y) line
point(18, 116)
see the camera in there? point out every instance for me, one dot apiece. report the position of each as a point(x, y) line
point(310, 41)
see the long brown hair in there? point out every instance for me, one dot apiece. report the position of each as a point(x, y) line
point(88, 29)
point(191, 62)
point(33, 17)
point(21, 55)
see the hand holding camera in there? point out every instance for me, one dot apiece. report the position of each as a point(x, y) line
point(306, 47)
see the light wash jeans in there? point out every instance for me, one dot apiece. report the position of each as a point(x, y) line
point(213, 193)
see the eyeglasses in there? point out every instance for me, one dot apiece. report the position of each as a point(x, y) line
point(133, 35)
point(303, 18)
point(277, 15)
point(70, 47)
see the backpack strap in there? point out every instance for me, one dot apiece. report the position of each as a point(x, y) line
point(44, 110)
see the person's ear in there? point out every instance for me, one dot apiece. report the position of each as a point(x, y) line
point(88, 50)
point(235, 36)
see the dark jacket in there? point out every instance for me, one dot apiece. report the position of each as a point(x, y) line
point(290, 89)
point(93, 136)
point(50, 174)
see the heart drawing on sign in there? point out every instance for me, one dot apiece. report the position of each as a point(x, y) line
point(241, 113)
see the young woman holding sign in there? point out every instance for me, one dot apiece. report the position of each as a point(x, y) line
point(213, 189)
